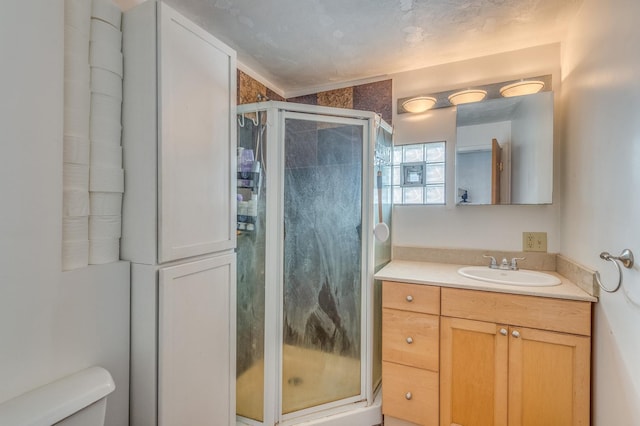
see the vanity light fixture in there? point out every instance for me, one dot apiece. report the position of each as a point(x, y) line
point(422, 102)
point(467, 96)
point(524, 87)
point(418, 104)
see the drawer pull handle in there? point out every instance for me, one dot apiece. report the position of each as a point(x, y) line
point(408, 395)
point(515, 333)
point(409, 298)
point(503, 331)
point(409, 340)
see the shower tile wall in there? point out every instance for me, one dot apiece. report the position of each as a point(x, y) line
point(305, 99)
point(302, 149)
point(249, 89)
point(375, 97)
point(339, 98)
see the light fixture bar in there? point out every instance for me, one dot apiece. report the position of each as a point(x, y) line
point(520, 87)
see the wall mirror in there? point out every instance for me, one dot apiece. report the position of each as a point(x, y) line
point(504, 150)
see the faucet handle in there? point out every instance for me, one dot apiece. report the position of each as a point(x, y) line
point(514, 263)
point(494, 262)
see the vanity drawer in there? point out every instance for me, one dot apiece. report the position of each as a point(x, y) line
point(411, 338)
point(410, 394)
point(568, 316)
point(411, 297)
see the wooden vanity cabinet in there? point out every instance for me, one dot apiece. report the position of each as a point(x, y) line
point(410, 352)
point(504, 359)
point(473, 377)
point(495, 369)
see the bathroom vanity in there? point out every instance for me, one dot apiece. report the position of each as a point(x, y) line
point(458, 351)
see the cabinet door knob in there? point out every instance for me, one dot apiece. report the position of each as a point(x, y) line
point(515, 333)
point(503, 331)
point(409, 298)
point(409, 340)
point(408, 395)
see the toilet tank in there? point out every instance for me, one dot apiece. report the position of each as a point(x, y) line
point(76, 400)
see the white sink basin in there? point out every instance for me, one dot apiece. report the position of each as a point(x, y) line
point(521, 277)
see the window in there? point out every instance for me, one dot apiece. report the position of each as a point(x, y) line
point(419, 173)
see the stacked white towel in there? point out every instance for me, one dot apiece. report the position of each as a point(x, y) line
point(106, 173)
point(76, 149)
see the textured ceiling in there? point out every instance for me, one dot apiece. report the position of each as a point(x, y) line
point(301, 46)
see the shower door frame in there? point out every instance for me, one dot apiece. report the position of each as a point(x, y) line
point(334, 406)
point(277, 113)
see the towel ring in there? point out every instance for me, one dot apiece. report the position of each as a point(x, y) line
point(626, 258)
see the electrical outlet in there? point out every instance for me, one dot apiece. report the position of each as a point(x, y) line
point(534, 241)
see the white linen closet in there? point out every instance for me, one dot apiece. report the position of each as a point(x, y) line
point(178, 223)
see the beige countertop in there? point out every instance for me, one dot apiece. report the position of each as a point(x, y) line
point(446, 275)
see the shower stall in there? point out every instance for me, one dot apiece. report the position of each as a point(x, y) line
point(313, 183)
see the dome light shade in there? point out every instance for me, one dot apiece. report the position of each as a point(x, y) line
point(418, 104)
point(467, 96)
point(525, 87)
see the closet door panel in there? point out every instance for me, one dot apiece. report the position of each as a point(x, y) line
point(196, 105)
point(196, 329)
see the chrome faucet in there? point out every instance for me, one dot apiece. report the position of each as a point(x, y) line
point(514, 263)
point(493, 264)
point(504, 264)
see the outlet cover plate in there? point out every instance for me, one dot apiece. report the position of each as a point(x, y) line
point(534, 241)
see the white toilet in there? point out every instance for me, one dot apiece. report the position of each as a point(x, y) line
point(76, 400)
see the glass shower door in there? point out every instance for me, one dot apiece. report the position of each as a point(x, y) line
point(251, 264)
point(323, 262)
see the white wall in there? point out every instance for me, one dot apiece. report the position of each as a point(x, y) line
point(531, 127)
point(479, 136)
point(127, 4)
point(51, 323)
point(601, 102)
point(477, 227)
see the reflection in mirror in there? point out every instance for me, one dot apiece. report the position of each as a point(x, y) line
point(504, 151)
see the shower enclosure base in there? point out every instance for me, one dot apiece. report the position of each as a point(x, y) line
point(308, 377)
point(359, 415)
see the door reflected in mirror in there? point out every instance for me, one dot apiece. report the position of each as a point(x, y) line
point(504, 151)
